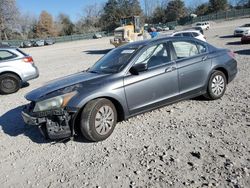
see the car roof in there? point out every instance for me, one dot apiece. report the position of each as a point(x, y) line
point(201, 22)
point(187, 31)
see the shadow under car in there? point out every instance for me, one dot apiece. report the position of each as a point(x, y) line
point(243, 52)
point(12, 124)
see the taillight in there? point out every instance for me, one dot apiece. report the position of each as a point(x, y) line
point(231, 54)
point(28, 60)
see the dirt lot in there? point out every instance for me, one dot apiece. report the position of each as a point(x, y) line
point(194, 143)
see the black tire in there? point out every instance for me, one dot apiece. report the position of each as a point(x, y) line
point(216, 86)
point(9, 83)
point(89, 122)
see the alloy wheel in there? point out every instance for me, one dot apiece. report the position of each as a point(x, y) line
point(104, 120)
point(218, 85)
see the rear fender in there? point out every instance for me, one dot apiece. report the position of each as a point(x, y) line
point(11, 70)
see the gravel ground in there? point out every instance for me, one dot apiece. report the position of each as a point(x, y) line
point(194, 143)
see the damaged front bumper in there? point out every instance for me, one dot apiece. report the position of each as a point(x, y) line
point(53, 124)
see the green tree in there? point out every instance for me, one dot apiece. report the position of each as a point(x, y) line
point(175, 10)
point(130, 7)
point(110, 17)
point(114, 10)
point(202, 9)
point(218, 5)
point(158, 15)
point(66, 27)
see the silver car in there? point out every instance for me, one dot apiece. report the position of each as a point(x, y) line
point(16, 68)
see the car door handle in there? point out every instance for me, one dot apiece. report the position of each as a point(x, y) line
point(170, 69)
point(204, 58)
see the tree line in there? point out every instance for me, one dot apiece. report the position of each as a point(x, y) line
point(102, 17)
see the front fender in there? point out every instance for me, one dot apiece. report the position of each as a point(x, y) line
point(83, 100)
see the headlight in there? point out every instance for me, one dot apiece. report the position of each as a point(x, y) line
point(54, 103)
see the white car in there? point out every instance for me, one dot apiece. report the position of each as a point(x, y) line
point(16, 68)
point(203, 25)
point(240, 31)
point(190, 33)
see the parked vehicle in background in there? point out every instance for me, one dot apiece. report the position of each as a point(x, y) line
point(26, 44)
point(245, 39)
point(131, 30)
point(49, 41)
point(165, 28)
point(158, 29)
point(190, 33)
point(129, 80)
point(4, 44)
point(197, 29)
point(97, 36)
point(38, 43)
point(203, 25)
point(16, 68)
point(171, 27)
point(239, 31)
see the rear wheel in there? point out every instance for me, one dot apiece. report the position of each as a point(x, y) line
point(98, 119)
point(9, 83)
point(216, 85)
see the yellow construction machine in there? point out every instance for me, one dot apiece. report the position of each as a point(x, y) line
point(130, 30)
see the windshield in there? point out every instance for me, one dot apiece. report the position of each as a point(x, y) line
point(246, 25)
point(114, 61)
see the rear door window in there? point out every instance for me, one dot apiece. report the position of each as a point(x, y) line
point(5, 55)
point(187, 34)
point(185, 49)
point(195, 34)
point(202, 48)
point(178, 35)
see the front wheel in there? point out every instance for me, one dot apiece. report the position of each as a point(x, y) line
point(216, 85)
point(98, 119)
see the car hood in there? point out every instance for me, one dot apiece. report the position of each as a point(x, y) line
point(61, 83)
point(242, 28)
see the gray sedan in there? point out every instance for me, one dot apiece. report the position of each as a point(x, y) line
point(127, 81)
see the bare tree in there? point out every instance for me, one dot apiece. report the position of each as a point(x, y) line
point(8, 17)
point(89, 19)
point(27, 22)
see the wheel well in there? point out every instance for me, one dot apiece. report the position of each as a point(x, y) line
point(119, 109)
point(118, 106)
point(224, 71)
point(9, 72)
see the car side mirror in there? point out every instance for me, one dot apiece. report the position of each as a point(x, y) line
point(136, 69)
